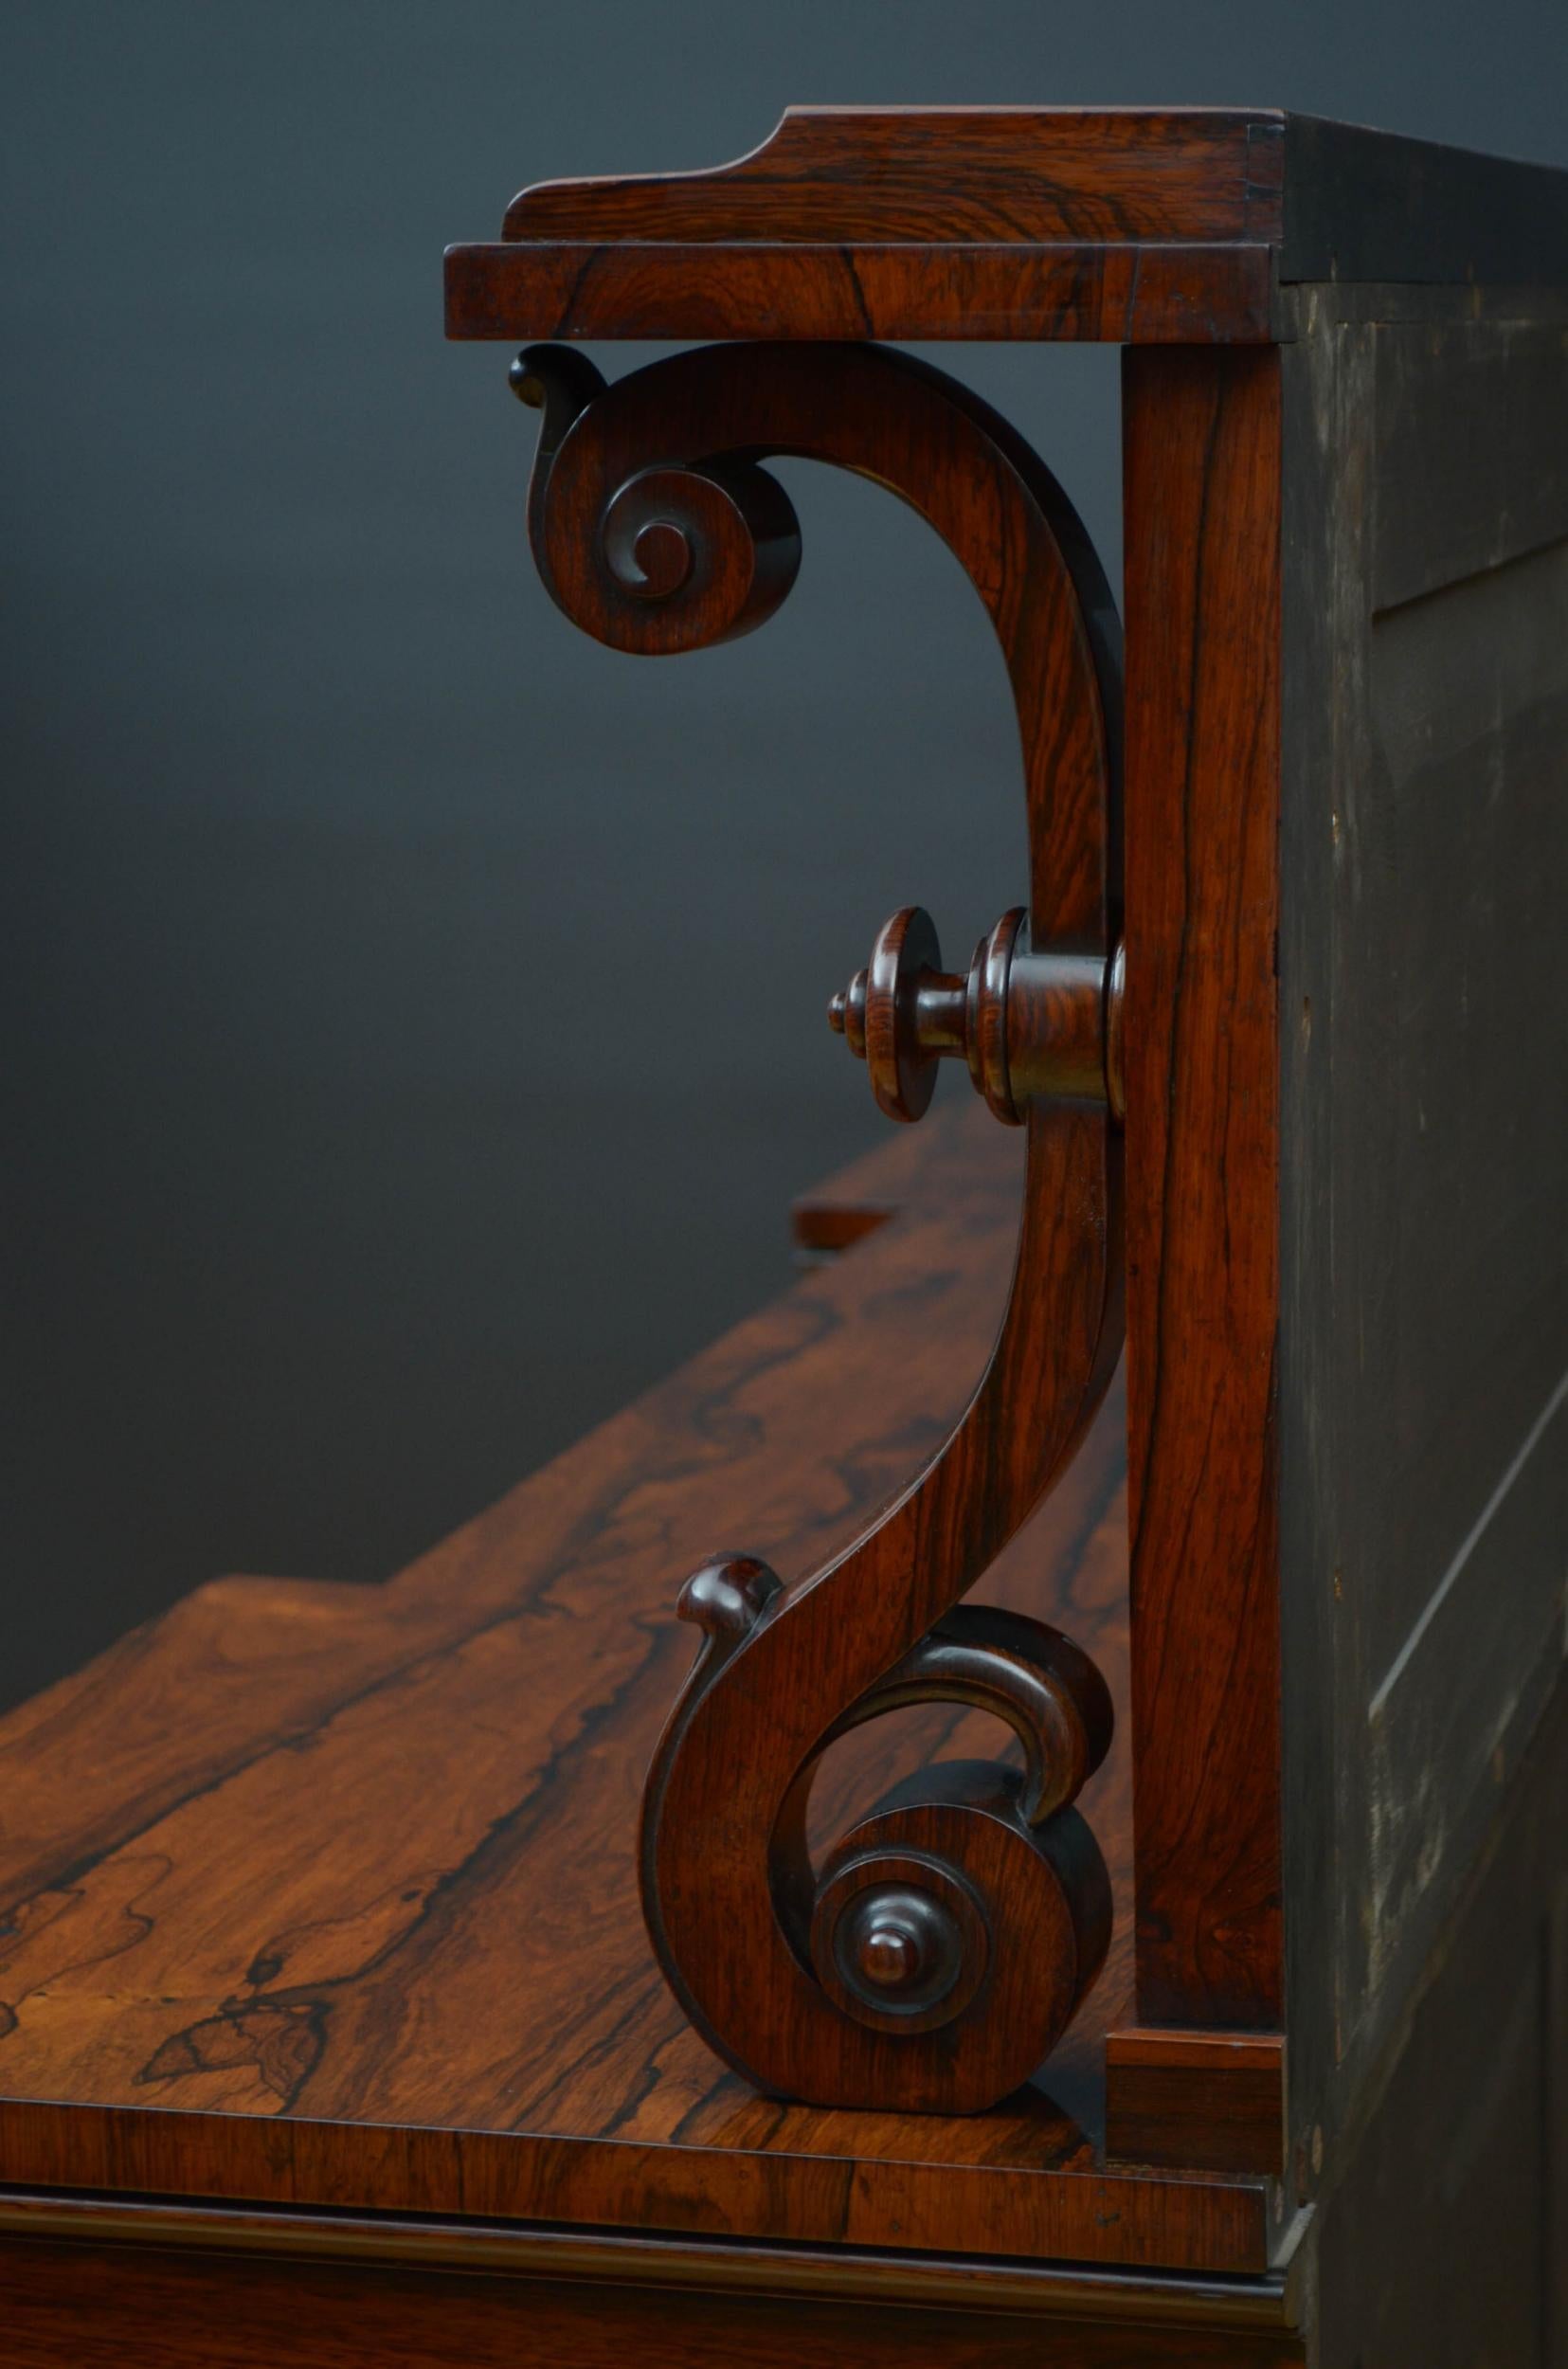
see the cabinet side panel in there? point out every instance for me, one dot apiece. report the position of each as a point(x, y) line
point(1437, 2245)
point(1478, 475)
point(1326, 472)
point(1424, 1409)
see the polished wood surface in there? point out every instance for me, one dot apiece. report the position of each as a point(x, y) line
point(77, 2305)
point(936, 1954)
point(1165, 176)
point(1201, 463)
point(1121, 293)
point(853, 2275)
point(1211, 2100)
point(904, 223)
point(340, 1906)
point(1163, 226)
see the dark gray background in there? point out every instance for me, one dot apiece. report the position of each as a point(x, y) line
point(338, 864)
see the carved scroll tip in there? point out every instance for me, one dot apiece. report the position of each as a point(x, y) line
point(837, 1010)
point(729, 1595)
point(558, 381)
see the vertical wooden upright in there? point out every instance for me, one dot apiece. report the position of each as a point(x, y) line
point(1201, 466)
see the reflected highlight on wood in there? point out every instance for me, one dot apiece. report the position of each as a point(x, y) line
point(938, 1952)
point(327, 1896)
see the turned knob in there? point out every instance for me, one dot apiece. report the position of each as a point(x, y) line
point(1028, 1026)
point(899, 1950)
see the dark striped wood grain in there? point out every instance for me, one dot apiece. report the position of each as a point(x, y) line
point(1133, 295)
point(76, 2306)
point(1202, 480)
point(327, 1896)
point(1146, 225)
point(1090, 174)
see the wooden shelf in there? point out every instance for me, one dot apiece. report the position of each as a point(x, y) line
point(325, 1896)
point(1137, 225)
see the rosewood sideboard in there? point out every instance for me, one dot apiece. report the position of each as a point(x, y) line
point(1085, 1879)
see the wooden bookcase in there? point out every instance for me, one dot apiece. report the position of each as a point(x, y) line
point(330, 2023)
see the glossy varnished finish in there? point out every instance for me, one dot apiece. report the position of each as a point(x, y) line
point(341, 1905)
point(1123, 294)
point(1142, 225)
point(1201, 472)
point(935, 1957)
point(851, 2275)
point(1210, 2101)
point(889, 222)
point(1133, 175)
point(70, 2305)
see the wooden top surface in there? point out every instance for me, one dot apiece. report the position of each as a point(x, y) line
point(1141, 225)
point(326, 1896)
point(985, 174)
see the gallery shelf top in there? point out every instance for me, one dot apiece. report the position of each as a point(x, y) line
point(1130, 222)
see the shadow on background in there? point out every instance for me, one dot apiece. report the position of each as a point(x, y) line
point(416, 1012)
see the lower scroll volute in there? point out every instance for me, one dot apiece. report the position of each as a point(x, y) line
point(951, 1934)
point(1022, 1918)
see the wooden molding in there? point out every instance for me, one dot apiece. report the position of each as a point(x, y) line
point(1117, 292)
point(847, 2275)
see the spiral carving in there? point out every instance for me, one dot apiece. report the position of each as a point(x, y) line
point(681, 554)
point(935, 1957)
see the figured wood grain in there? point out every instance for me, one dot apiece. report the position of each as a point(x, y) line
point(351, 1921)
point(1201, 466)
point(998, 2188)
point(1129, 294)
point(659, 528)
point(272, 1656)
point(1141, 224)
point(1034, 175)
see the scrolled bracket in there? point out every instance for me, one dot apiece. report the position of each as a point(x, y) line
point(935, 1956)
point(681, 555)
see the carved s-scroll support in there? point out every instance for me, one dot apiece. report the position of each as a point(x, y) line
point(935, 1957)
